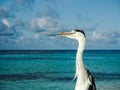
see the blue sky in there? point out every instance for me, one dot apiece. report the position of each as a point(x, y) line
point(29, 24)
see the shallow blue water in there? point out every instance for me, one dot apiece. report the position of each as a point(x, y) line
point(54, 70)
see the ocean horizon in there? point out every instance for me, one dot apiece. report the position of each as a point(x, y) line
point(55, 69)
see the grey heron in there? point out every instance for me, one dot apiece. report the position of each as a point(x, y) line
point(84, 79)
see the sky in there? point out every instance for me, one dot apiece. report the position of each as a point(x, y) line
point(31, 24)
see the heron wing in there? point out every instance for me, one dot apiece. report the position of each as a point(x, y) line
point(92, 82)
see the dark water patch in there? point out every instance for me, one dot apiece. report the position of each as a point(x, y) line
point(34, 76)
point(54, 51)
point(3, 69)
point(106, 76)
point(56, 76)
point(35, 58)
point(34, 51)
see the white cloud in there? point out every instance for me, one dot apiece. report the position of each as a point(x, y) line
point(47, 23)
point(111, 37)
point(98, 36)
point(36, 36)
point(5, 21)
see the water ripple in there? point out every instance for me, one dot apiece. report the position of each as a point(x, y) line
point(56, 76)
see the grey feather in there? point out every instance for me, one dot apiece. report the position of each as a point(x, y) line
point(92, 86)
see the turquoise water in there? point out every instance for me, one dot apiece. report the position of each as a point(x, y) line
point(54, 70)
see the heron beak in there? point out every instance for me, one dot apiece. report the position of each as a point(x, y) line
point(64, 33)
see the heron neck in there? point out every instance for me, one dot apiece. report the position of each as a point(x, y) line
point(82, 44)
point(80, 68)
point(79, 60)
point(80, 50)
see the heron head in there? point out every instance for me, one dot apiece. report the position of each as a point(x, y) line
point(75, 34)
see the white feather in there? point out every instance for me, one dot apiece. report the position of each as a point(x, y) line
point(82, 82)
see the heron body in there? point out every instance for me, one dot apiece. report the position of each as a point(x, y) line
point(84, 79)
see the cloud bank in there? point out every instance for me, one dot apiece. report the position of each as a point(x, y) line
point(21, 25)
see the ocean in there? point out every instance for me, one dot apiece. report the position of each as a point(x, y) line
point(55, 69)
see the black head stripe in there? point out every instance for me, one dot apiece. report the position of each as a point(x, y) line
point(81, 32)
